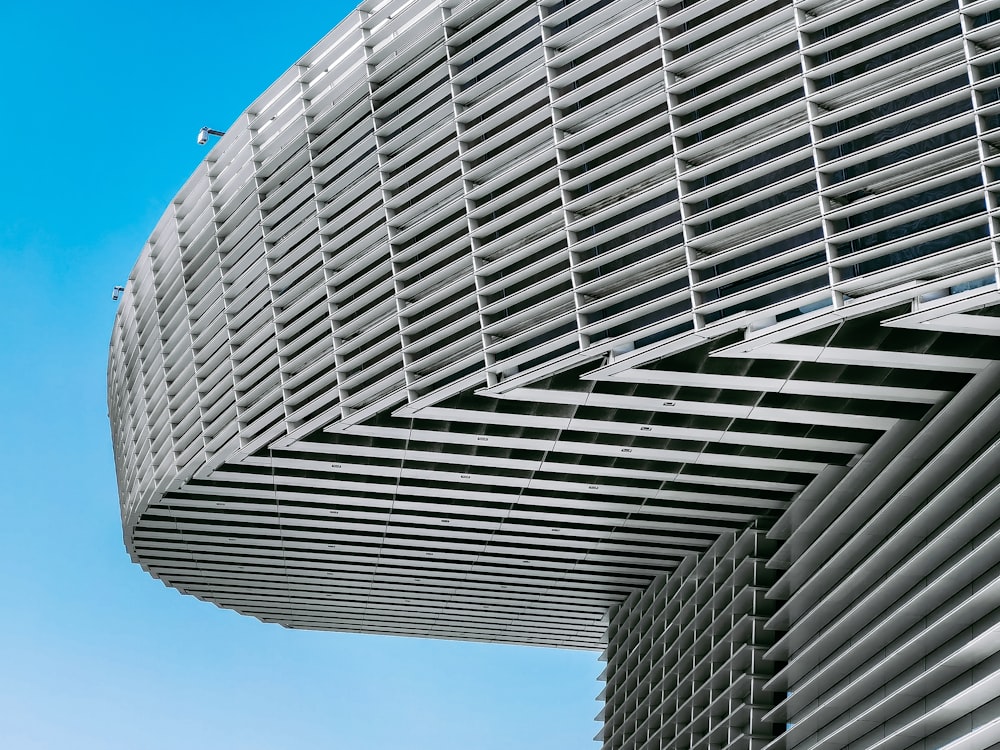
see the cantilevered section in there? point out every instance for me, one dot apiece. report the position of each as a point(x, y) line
point(488, 314)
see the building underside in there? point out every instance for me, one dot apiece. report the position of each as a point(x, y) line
point(668, 329)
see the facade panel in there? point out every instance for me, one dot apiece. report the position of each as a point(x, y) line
point(519, 322)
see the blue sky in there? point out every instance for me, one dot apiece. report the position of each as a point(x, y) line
point(102, 104)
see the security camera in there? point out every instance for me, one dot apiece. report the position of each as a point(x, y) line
point(205, 132)
point(116, 292)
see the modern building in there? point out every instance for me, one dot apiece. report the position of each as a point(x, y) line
point(664, 328)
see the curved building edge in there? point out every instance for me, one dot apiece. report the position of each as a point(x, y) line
point(533, 323)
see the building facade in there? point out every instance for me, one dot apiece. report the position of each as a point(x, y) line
point(663, 328)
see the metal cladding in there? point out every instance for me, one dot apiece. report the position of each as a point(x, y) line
point(687, 657)
point(488, 315)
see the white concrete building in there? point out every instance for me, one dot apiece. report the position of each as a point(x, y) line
point(668, 328)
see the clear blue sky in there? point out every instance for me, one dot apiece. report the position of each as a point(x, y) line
point(102, 102)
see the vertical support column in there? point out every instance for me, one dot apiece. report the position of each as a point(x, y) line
point(551, 55)
point(291, 245)
point(458, 30)
point(893, 131)
point(183, 237)
point(608, 103)
point(352, 228)
point(503, 120)
point(233, 206)
point(664, 11)
point(162, 391)
point(377, 32)
point(746, 173)
point(432, 274)
point(344, 195)
point(980, 27)
point(137, 371)
point(812, 109)
point(241, 261)
point(279, 157)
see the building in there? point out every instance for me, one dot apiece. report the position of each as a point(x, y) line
point(664, 328)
